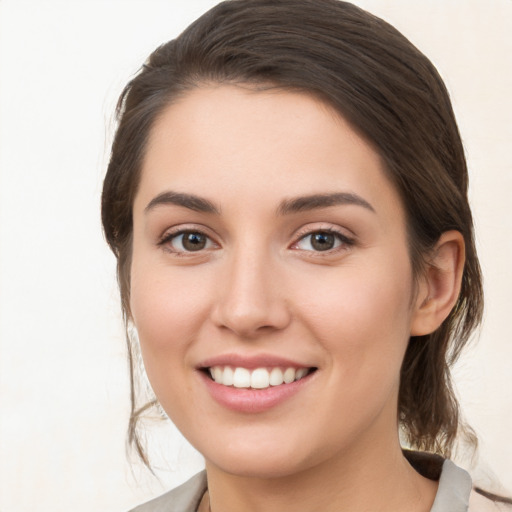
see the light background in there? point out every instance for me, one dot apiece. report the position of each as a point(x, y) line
point(63, 375)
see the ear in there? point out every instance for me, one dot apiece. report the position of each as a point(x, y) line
point(440, 285)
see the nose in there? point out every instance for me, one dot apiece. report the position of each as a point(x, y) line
point(251, 299)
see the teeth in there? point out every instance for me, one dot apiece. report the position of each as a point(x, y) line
point(276, 377)
point(301, 372)
point(289, 375)
point(259, 378)
point(241, 378)
point(227, 376)
point(217, 374)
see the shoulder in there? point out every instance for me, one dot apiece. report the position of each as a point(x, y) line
point(184, 498)
point(456, 492)
point(479, 503)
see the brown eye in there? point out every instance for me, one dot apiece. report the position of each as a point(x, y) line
point(322, 241)
point(190, 241)
point(194, 241)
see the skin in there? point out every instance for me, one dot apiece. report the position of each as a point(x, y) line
point(259, 286)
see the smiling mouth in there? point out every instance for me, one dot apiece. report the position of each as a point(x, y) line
point(257, 378)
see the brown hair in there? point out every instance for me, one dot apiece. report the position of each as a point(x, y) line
point(388, 91)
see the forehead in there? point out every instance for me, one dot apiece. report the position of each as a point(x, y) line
point(260, 146)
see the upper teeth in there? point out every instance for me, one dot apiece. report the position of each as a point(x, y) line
point(259, 378)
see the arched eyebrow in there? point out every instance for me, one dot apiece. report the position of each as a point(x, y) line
point(190, 201)
point(317, 201)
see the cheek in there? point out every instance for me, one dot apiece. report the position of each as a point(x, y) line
point(168, 311)
point(362, 315)
point(363, 324)
point(167, 308)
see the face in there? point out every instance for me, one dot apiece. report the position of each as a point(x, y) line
point(270, 251)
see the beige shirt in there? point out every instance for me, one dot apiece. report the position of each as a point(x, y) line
point(453, 495)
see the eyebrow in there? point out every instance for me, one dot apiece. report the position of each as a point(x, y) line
point(288, 206)
point(190, 201)
point(317, 201)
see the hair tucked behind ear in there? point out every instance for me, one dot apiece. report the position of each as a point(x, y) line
point(387, 90)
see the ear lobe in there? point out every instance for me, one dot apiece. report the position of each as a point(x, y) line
point(440, 284)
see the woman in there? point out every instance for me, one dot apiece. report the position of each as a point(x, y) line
point(287, 200)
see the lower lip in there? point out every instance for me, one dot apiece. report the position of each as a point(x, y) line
point(250, 400)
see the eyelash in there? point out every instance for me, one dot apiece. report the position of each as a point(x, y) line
point(169, 237)
point(345, 241)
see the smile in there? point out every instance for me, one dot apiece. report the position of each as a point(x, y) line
point(257, 378)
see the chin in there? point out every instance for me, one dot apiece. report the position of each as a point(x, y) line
point(263, 460)
point(262, 467)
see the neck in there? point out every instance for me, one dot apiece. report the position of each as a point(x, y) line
point(378, 479)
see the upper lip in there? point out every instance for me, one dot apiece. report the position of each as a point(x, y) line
point(251, 361)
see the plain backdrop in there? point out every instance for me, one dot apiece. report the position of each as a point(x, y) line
point(63, 371)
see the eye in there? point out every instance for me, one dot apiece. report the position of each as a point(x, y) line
point(188, 241)
point(320, 241)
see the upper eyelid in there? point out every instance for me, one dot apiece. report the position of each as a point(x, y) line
point(323, 227)
point(179, 229)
